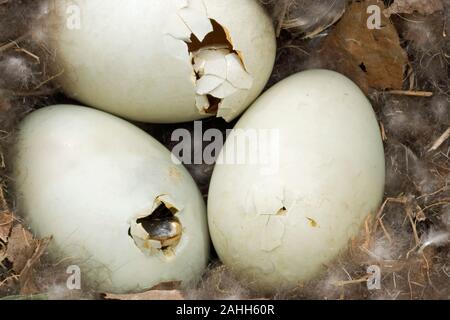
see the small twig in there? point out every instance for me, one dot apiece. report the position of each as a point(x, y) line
point(32, 55)
point(13, 43)
point(420, 215)
point(411, 76)
point(2, 161)
point(7, 222)
point(428, 268)
point(445, 188)
point(290, 46)
point(436, 204)
point(411, 93)
point(63, 260)
point(49, 79)
point(3, 203)
point(383, 132)
point(409, 283)
point(400, 200)
point(2, 253)
point(445, 271)
point(368, 233)
point(344, 283)
point(417, 284)
point(370, 253)
point(411, 251)
point(25, 238)
point(413, 225)
point(388, 236)
point(14, 276)
point(440, 140)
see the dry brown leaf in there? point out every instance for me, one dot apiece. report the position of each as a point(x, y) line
point(170, 285)
point(24, 252)
point(27, 281)
point(21, 246)
point(373, 58)
point(3, 204)
point(424, 7)
point(6, 220)
point(148, 295)
point(162, 291)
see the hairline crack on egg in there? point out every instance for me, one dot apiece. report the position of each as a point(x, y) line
point(163, 61)
point(281, 228)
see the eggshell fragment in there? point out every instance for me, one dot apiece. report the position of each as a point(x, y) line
point(279, 223)
point(111, 197)
point(136, 58)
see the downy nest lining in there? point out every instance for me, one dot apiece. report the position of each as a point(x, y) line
point(408, 239)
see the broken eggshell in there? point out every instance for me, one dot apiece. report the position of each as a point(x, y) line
point(109, 194)
point(280, 220)
point(163, 61)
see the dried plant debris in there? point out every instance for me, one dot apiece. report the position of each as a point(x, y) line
point(28, 285)
point(20, 253)
point(6, 219)
point(371, 57)
point(412, 6)
point(163, 291)
point(148, 295)
point(23, 254)
point(218, 283)
point(20, 248)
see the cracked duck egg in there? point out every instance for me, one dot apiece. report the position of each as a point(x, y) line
point(297, 177)
point(163, 61)
point(111, 197)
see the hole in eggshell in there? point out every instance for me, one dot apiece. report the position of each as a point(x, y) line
point(159, 231)
point(219, 38)
point(282, 211)
point(214, 104)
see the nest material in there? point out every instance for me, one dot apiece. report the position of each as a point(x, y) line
point(408, 85)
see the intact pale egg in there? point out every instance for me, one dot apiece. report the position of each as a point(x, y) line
point(163, 61)
point(297, 177)
point(111, 197)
